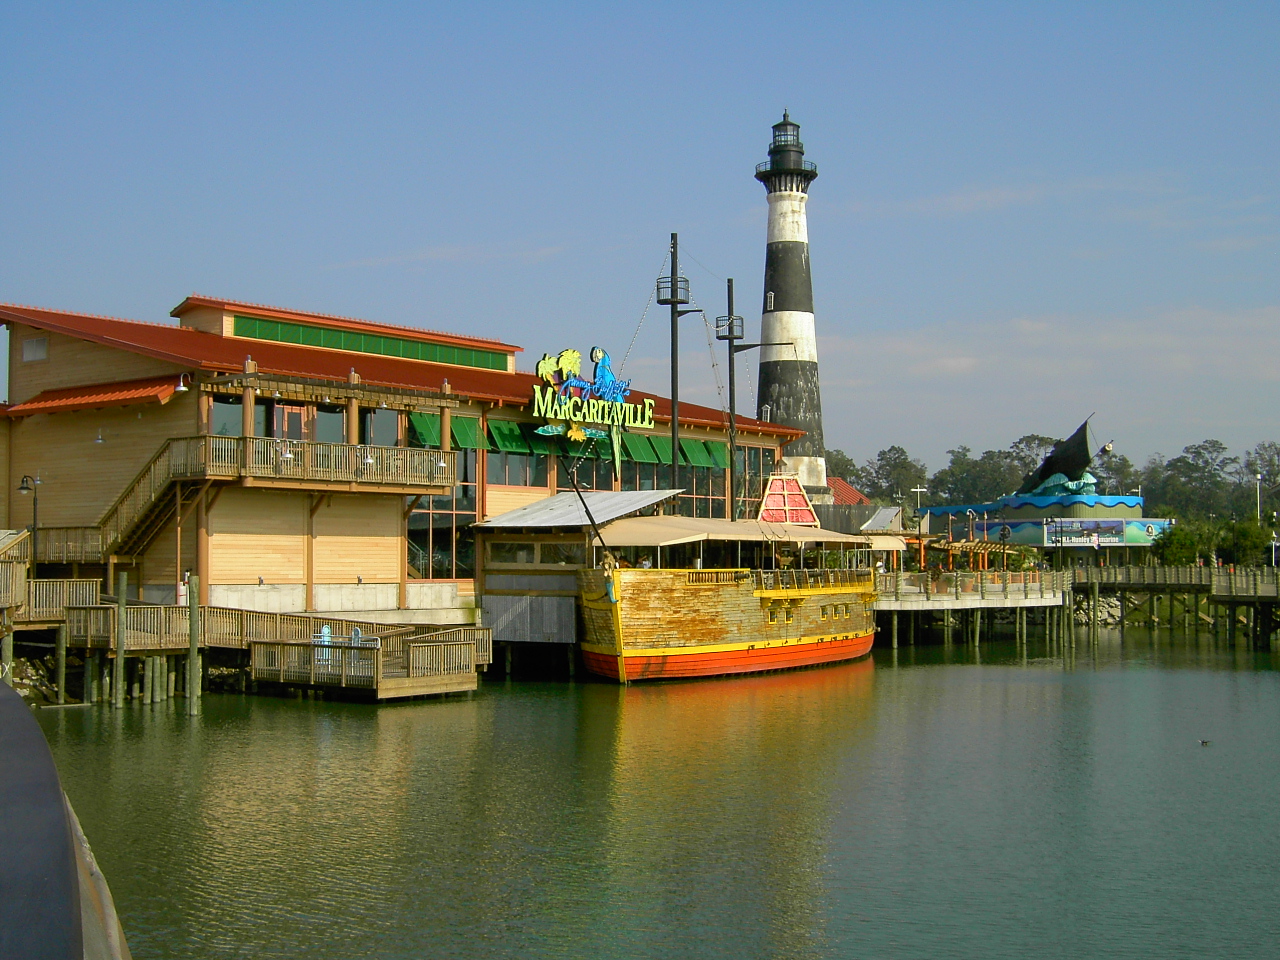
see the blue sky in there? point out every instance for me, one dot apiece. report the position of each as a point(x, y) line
point(1025, 213)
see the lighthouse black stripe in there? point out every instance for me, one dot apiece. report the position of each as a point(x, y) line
point(790, 389)
point(786, 276)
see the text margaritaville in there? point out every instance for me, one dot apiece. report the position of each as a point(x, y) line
point(549, 403)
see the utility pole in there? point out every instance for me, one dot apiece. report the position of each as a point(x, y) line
point(673, 291)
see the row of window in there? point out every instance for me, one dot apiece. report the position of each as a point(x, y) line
point(322, 423)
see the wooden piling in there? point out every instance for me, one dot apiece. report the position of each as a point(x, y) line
point(193, 646)
point(1095, 621)
point(6, 654)
point(894, 618)
point(60, 661)
point(117, 680)
point(977, 626)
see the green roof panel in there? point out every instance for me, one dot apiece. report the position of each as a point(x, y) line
point(638, 448)
point(424, 430)
point(467, 434)
point(696, 453)
point(507, 436)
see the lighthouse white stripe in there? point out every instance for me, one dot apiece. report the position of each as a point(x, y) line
point(788, 326)
point(787, 220)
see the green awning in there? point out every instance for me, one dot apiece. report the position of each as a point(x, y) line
point(696, 453)
point(539, 442)
point(508, 437)
point(467, 434)
point(719, 453)
point(661, 446)
point(638, 448)
point(425, 430)
point(591, 448)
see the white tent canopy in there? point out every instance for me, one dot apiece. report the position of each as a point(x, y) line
point(668, 531)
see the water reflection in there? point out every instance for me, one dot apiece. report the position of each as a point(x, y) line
point(940, 802)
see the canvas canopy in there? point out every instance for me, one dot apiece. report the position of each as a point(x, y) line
point(668, 531)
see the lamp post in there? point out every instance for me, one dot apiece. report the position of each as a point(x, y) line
point(729, 328)
point(1257, 490)
point(31, 485)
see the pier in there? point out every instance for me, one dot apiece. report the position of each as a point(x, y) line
point(143, 651)
point(962, 598)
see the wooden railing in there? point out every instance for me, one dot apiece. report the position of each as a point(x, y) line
point(233, 458)
point(1246, 583)
point(982, 584)
point(19, 548)
point(13, 582)
point(337, 663)
point(481, 638)
point(812, 579)
point(157, 627)
point(1147, 576)
point(440, 659)
point(48, 600)
point(70, 545)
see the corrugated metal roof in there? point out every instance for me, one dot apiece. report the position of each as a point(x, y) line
point(885, 518)
point(846, 493)
point(194, 349)
point(565, 509)
point(337, 322)
point(151, 390)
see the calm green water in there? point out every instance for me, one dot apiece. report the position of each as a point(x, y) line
point(933, 807)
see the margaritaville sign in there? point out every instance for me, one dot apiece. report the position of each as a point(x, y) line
point(578, 407)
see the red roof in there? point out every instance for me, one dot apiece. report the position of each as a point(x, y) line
point(845, 492)
point(123, 393)
point(208, 352)
point(340, 323)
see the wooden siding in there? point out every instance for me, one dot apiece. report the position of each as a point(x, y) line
point(73, 363)
point(80, 478)
point(258, 533)
point(501, 499)
point(358, 536)
point(157, 562)
point(662, 609)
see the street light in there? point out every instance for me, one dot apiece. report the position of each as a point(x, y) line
point(29, 485)
point(1257, 490)
point(729, 327)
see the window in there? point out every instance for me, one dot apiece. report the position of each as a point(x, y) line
point(753, 466)
point(516, 469)
point(380, 427)
point(225, 419)
point(330, 425)
point(441, 539)
point(36, 348)
point(502, 552)
point(563, 553)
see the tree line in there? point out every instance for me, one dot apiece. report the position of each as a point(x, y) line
point(1211, 492)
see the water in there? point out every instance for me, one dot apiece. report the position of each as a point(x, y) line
point(919, 806)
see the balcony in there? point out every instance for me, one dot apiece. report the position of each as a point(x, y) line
point(250, 462)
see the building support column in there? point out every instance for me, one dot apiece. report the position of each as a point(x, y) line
point(118, 678)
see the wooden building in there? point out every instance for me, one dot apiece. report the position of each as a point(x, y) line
point(303, 462)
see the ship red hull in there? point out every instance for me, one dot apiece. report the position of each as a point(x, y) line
point(722, 662)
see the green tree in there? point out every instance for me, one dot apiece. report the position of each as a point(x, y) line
point(1029, 451)
point(890, 477)
point(840, 464)
point(1116, 474)
point(1197, 483)
point(968, 480)
point(1181, 544)
point(1245, 543)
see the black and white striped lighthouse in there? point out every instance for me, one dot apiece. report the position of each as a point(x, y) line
point(789, 391)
